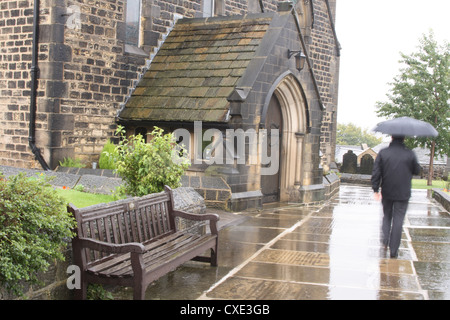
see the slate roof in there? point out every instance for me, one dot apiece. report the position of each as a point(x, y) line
point(196, 69)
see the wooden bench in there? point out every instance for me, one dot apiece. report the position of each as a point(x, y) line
point(135, 241)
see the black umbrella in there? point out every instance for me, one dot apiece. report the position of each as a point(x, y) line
point(407, 127)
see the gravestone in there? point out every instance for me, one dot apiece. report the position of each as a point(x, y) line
point(366, 164)
point(349, 163)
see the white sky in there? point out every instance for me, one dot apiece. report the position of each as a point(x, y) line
point(372, 35)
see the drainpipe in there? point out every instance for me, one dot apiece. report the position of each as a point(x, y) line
point(261, 4)
point(34, 71)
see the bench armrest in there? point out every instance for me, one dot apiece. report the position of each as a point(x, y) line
point(109, 247)
point(212, 217)
point(195, 216)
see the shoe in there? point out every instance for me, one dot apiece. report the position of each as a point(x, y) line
point(394, 255)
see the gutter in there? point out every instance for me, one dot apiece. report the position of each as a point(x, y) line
point(34, 71)
point(330, 16)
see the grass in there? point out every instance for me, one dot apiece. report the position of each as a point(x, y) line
point(84, 199)
point(422, 184)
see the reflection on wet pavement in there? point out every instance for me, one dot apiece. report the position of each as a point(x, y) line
point(334, 252)
point(325, 252)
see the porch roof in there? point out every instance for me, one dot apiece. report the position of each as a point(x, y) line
point(196, 69)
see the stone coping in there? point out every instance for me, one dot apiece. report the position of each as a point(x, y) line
point(95, 181)
point(442, 197)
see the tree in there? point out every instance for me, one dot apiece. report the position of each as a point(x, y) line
point(350, 134)
point(421, 91)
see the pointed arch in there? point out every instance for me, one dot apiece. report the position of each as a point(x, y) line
point(297, 90)
point(296, 125)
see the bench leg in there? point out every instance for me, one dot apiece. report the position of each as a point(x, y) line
point(139, 292)
point(137, 262)
point(214, 257)
point(81, 294)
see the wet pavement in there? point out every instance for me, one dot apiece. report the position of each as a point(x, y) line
point(328, 252)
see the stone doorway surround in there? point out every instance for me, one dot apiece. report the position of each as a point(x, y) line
point(293, 108)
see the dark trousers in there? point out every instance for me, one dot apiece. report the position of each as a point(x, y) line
point(394, 214)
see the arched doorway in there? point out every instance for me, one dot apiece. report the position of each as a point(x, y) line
point(287, 96)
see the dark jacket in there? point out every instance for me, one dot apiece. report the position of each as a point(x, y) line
point(393, 170)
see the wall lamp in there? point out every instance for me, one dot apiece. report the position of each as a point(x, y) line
point(300, 58)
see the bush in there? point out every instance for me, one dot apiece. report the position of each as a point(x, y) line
point(147, 167)
point(106, 161)
point(73, 163)
point(34, 225)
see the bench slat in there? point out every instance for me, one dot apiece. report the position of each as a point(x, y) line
point(158, 255)
point(165, 216)
point(107, 211)
point(133, 226)
point(155, 247)
point(144, 226)
point(93, 235)
point(161, 253)
point(107, 222)
point(141, 225)
point(159, 249)
point(157, 227)
point(114, 223)
point(169, 256)
point(97, 211)
point(94, 266)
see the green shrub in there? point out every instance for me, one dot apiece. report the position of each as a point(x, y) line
point(106, 161)
point(146, 167)
point(34, 227)
point(97, 292)
point(73, 163)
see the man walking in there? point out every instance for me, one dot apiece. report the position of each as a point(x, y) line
point(393, 170)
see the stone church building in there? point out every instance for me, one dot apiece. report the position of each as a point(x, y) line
point(257, 80)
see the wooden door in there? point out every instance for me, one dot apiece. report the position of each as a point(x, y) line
point(270, 184)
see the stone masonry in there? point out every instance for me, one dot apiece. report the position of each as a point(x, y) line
point(325, 52)
point(86, 72)
point(16, 18)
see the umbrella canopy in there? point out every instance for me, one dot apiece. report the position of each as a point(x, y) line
point(407, 127)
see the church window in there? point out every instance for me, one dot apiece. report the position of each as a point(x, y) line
point(133, 21)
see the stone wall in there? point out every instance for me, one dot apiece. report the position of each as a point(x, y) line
point(325, 52)
point(84, 76)
point(442, 197)
point(213, 189)
point(439, 171)
point(16, 20)
point(86, 72)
